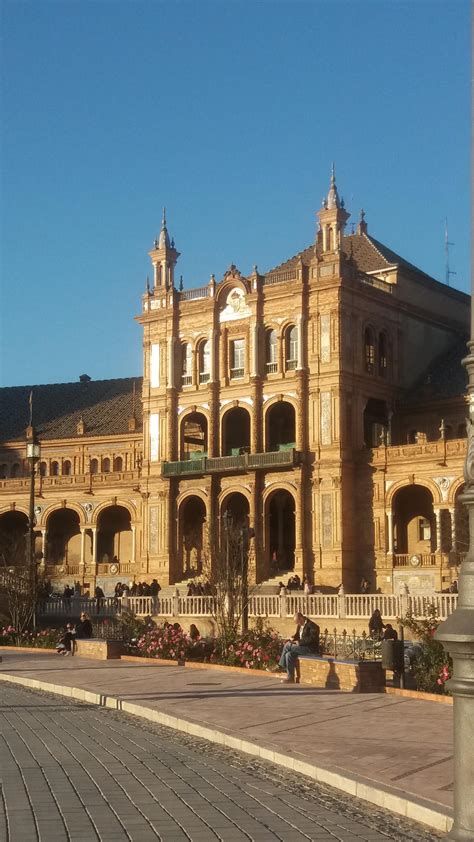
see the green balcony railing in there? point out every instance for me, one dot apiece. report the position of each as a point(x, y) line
point(242, 462)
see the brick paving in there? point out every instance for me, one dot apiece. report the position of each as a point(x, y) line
point(80, 773)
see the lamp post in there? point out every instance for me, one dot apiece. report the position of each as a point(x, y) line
point(33, 453)
point(457, 632)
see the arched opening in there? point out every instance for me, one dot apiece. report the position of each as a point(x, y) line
point(192, 518)
point(94, 466)
point(448, 432)
point(106, 465)
point(54, 470)
point(43, 469)
point(291, 348)
point(236, 432)
point(67, 468)
point(383, 355)
point(63, 537)
point(271, 351)
point(118, 463)
point(13, 531)
point(194, 436)
point(204, 358)
point(462, 431)
point(375, 422)
point(186, 364)
point(412, 436)
point(280, 531)
point(3, 471)
point(414, 521)
point(15, 471)
point(281, 426)
point(235, 509)
point(369, 350)
point(114, 535)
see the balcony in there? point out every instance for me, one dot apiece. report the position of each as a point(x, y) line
point(232, 464)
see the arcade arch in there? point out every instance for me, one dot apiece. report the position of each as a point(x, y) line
point(236, 432)
point(280, 426)
point(114, 534)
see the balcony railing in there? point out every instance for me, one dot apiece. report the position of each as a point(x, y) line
point(242, 462)
point(415, 560)
point(272, 368)
point(72, 480)
point(236, 372)
point(204, 376)
point(427, 451)
point(291, 365)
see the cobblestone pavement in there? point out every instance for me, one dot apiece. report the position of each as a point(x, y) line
point(76, 772)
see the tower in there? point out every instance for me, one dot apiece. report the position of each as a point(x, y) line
point(164, 257)
point(332, 218)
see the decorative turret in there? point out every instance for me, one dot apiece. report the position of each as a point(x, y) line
point(164, 256)
point(332, 217)
point(362, 226)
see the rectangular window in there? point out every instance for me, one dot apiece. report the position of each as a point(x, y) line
point(237, 357)
point(424, 529)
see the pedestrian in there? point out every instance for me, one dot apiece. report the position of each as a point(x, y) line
point(376, 625)
point(305, 641)
point(65, 644)
point(194, 632)
point(84, 627)
point(100, 597)
point(390, 633)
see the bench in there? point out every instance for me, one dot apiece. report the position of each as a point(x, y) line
point(334, 674)
point(100, 650)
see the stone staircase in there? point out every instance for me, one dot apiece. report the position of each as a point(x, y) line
point(269, 586)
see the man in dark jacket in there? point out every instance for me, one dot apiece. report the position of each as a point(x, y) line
point(305, 641)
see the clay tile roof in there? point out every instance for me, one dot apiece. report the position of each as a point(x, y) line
point(368, 254)
point(105, 406)
point(445, 377)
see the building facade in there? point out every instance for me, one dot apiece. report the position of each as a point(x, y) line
point(314, 403)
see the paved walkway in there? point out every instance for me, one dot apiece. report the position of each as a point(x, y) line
point(365, 744)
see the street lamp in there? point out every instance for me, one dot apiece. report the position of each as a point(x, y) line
point(33, 453)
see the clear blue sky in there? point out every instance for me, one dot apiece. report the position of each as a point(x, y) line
point(230, 113)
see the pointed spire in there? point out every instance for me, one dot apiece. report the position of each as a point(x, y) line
point(147, 285)
point(333, 197)
point(362, 226)
point(164, 240)
point(181, 283)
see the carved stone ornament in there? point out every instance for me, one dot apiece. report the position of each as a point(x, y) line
point(469, 463)
point(38, 510)
point(88, 507)
point(236, 306)
point(444, 484)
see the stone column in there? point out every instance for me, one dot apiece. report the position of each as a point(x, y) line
point(134, 544)
point(171, 366)
point(452, 514)
point(94, 547)
point(437, 513)
point(300, 350)
point(390, 531)
point(83, 547)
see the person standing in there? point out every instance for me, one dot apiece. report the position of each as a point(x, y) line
point(376, 625)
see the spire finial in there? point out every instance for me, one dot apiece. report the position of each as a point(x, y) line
point(181, 283)
point(164, 240)
point(163, 221)
point(333, 198)
point(147, 287)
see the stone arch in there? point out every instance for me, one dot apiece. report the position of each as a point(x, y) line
point(193, 433)
point(63, 536)
point(13, 532)
point(235, 430)
point(280, 512)
point(414, 520)
point(426, 483)
point(114, 533)
point(125, 504)
point(42, 520)
point(283, 429)
point(192, 521)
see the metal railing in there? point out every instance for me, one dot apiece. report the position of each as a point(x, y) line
point(280, 277)
point(193, 294)
point(406, 560)
point(242, 462)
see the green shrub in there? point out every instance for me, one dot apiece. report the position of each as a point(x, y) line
point(433, 666)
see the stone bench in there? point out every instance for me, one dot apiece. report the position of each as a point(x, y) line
point(101, 650)
point(333, 674)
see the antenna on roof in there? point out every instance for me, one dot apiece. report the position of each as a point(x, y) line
point(447, 244)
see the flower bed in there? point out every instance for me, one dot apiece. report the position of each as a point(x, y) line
point(41, 639)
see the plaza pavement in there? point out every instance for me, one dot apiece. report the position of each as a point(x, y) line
point(392, 751)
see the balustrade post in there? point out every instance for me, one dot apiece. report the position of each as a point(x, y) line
point(403, 604)
point(176, 603)
point(341, 604)
point(283, 603)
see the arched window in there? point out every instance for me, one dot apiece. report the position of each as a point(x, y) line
point(118, 463)
point(448, 432)
point(291, 348)
point(204, 361)
point(271, 351)
point(412, 436)
point(369, 350)
point(106, 465)
point(186, 364)
point(3, 471)
point(94, 466)
point(67, 468)
point(42, 469)
point(15, 470)
point(383, 357)
point(54, 471)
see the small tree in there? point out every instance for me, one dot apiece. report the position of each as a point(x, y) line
point(433, 666)
point(19, 586)
point(227, 573)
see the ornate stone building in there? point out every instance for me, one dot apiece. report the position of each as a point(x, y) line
point(305, 402)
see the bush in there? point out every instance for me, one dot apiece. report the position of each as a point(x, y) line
point(42, 639)
point(433, 666)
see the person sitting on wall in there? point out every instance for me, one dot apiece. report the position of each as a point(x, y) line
point(65, 644)
point(305, 641)
point(390, 633)
point(84, 627)
point(376, 625)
